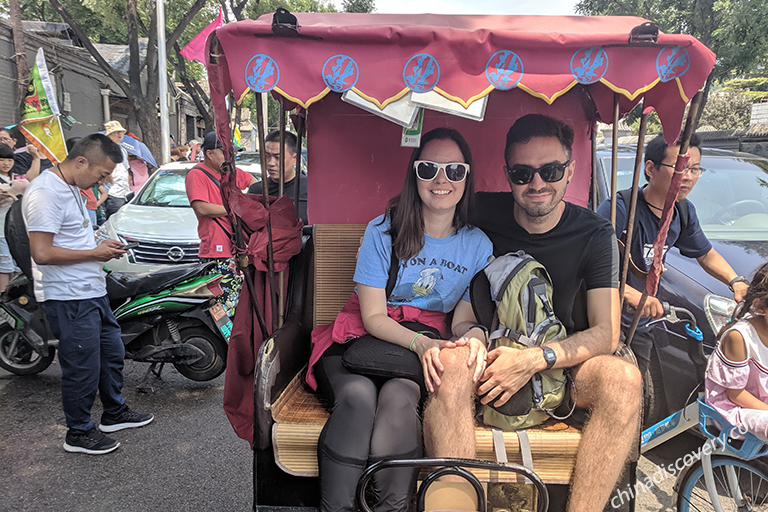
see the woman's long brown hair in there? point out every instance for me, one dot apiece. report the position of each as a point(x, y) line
point(405, 210)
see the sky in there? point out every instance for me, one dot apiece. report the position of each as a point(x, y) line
point(555, 7)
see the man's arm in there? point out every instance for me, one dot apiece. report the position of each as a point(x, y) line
point(45, 253)
point(716, 266)
point(102, 196)
point(210, 210)
point(508, 369)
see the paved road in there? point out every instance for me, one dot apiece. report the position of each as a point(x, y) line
point(188, 459)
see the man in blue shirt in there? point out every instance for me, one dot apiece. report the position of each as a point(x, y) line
point(684, 233)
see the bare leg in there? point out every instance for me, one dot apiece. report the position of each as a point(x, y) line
point(449, 417)
point(4, 280)
point(611, 389)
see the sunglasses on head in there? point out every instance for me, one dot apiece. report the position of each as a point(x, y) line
point(523, 174)
point(427, 171)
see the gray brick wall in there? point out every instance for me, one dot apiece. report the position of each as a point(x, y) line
point(759, 113)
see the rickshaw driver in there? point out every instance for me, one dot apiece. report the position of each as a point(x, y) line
point(578, 248)
point(272, 160)
point(687, 236)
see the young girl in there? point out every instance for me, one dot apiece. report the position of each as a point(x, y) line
point(737, 372)
point(375, 419)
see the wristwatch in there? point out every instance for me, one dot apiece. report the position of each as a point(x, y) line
point(549, 356)
point(738, 279)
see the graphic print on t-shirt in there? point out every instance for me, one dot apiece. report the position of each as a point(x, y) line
point(424, 293)
point(648, 254)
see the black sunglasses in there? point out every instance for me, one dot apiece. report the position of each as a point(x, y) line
point(427, 170)
point(523, 174)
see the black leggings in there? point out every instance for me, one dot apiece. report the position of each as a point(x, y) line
point(372, 420)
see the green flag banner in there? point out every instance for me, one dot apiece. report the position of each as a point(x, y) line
point(40, 113)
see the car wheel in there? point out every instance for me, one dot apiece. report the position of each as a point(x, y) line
point(654, 402)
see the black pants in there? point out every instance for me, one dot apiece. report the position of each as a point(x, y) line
point(372, 420)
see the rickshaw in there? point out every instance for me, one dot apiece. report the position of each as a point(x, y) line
point(364, 87)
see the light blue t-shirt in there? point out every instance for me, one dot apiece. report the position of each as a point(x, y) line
point(433, 280)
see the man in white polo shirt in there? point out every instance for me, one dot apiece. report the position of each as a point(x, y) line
point(70, 286)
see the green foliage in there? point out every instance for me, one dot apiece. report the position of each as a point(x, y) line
point(733, 29)
point(358, 5)
point(652, 123)
point(256, 9)
point(727, 110)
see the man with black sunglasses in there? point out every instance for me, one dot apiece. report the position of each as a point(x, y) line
point(685, 233)
point(578, 248)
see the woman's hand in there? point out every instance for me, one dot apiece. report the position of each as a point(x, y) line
point(478, 353)
point(428, 350)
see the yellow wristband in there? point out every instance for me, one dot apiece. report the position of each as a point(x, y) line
point(410, 347)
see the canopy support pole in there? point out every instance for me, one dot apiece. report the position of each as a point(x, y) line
point(280, 192)
point(265, 193)
point(639, 168)
point(614, 157)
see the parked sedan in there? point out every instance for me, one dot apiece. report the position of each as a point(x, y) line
point(160, 219)
point(731, 200)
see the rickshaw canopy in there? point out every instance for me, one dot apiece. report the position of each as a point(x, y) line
point(517, 64)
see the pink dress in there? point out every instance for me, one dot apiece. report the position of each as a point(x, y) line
point(751, 375)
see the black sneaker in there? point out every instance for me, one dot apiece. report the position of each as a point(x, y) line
point(126, 419)
point(92, 442)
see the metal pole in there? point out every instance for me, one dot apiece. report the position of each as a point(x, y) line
point(165, 130)
point(639, 168)
point(614, 157)
point(265, 193)
point(280, 192)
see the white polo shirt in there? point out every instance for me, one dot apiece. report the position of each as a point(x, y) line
point(52, 206)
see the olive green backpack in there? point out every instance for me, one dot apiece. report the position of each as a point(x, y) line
point(513, 297)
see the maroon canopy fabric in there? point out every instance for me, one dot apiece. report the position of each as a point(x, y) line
point(246, 334)
point(384, 56)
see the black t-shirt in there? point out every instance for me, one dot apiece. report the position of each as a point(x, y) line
point(22, 161)
point(289, 189)
point(580, 253)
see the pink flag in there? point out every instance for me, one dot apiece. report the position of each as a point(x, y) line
point(195, 50)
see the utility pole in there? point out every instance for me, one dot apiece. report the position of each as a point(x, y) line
point(162, 69)
point(19, 52)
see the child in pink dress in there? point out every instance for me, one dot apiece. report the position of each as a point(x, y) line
point(737, 372)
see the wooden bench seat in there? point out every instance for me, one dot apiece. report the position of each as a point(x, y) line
point(299, 414)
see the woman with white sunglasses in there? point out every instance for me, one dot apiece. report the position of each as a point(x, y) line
point(436, 254)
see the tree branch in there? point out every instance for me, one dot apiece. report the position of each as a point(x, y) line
point(103, 64)
point(183, 23)
point(200, 99)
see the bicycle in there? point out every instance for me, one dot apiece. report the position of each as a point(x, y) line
point(728, 475)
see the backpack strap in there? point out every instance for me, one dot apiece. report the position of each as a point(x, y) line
point(218, 185)
point(394, 266)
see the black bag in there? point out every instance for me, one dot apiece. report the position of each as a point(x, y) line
point(371, 356)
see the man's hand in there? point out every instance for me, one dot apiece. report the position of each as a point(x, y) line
point(653, 308)
point(34, 152)
point(508, 370)
point(108, 249)
point(740, 291)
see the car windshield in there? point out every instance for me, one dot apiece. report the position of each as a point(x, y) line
point(166, 188)
point(731, 197)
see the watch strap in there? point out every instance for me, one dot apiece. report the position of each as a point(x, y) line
point(737, 279)
point(549, 356)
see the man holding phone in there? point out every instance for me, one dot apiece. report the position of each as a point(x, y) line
point(71, 287)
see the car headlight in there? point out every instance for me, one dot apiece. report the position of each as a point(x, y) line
point(718, 310)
